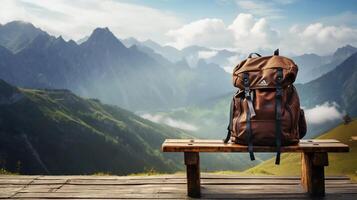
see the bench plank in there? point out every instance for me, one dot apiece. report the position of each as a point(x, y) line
point(220, 141)
point(187, 145)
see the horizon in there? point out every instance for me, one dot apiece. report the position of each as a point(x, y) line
point(80, 41)
point(220, 24)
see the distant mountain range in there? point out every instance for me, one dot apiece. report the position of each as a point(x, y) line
point(17, 35)
point(338, 85)
point(312, 66)
point(191, 54)
point(139, 76)
point(102, 67)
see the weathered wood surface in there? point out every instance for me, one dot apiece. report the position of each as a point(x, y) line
point(197, 145)
point(165, 187)
point(313, 174)
point(192, 162)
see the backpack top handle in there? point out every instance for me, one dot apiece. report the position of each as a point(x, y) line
point(276, 52)
point(251, 55)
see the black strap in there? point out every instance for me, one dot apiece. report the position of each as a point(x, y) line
point(278, 98)
point(276, 52)
point(248, 123)
point(251, 55)
point(230, 125)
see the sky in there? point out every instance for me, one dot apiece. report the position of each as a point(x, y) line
point(294, 26)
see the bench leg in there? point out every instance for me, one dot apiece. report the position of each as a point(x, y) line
point(312, 172)
point(192, 162)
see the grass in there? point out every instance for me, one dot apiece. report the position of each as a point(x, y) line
point(339, 163)
point(5, 172)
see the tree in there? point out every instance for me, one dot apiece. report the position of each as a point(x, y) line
point(347, 119)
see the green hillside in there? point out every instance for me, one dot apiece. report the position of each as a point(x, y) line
point(57, 132)
point(339, 163)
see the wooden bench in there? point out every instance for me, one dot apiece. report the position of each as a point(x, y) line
point(313, 160)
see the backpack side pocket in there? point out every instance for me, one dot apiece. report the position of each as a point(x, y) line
point(302, 124)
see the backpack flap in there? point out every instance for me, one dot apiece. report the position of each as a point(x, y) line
point(262, 72)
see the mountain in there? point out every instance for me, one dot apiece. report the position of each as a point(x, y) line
point(312, 66)
point(191, 53)
point(307, 63)
point(209, 78)
point(80, 41)
point(132, 42)
point(135, 78)
point(17, 35)
point(45, 63)
point(61, 133)
point(125, 76)
point(340, 163)
point(337, 58)
point(338, 85)
point(170, 53)
point(6, 61)
point(222, 58)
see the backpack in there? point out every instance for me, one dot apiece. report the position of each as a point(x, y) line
point(265, 110)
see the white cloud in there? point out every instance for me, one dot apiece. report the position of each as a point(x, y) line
point(323, 113)
point(248, 34)
point(206, 54)
point(252, 34)
point(169, 121)
point(232, 62)
point(245, 33)
point(319, 38)
point(204, 32)
point(76, 19)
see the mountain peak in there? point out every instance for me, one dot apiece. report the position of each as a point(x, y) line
point(152, 44)
point(16, 35)
point(19, 23)
point(103, 36)
point(345, 49)
point(343, 52)
point(104, 30)
point(102, 33)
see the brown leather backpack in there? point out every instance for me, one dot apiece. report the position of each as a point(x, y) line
point(266, 108)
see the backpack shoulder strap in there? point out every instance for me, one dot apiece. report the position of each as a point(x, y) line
point(230, 125)
point(278, 99)
point(248, 98)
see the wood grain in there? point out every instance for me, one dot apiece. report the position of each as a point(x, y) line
point(213, 186)
point(192, 162)
point(312, 173)
point(186, 145)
